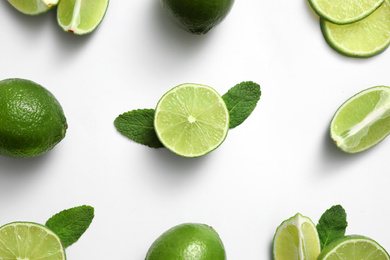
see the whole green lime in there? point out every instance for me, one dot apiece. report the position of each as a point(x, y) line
point(188, 241)
point(197, 16)
point(32, 121)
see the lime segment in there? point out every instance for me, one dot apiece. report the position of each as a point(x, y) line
point(33, 7)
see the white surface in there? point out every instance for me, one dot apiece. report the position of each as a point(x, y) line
point(280, 161)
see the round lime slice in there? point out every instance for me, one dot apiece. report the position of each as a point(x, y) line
point(296, 238)
point(81, 16)
point(362, 121)
point(191, 120)
point(364, 38)
point(33, 7)
point(26, 240)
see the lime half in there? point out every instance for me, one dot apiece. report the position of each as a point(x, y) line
point(364, 38)
point(33, 7)
point(26, 240)
point(362, 121)
point(296, 238)
point(191, 120)
point(354, 247)
point(81, 16)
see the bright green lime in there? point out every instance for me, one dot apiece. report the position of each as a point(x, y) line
point(29, 241)
point(189, 241)
point(191, 120)
point(32, 121)
point(296, 238)
point(81, 16)
point(364, 38)
point(362, 121)
point(353, 247)
point(33, 7)
point(197, 16)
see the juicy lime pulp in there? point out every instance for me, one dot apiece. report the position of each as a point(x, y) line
point(362, 121)
point(26, 240)
point(191, 120)
point(33, 7)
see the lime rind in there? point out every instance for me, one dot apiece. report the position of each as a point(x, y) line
point(33, 7)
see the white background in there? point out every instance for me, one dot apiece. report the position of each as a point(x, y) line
point(280, 161)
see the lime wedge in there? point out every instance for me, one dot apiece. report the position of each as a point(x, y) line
point(362, 121)
point(191, 120)
point(353, 247)
point(364, 38)
point(33, 7)
point(344, 11)
point(26, 240)
point(296, 238)
point(81, 16)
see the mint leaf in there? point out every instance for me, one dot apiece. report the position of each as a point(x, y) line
point(70, 224)
point(332, 225)
point(138, 126)
point(241, 100)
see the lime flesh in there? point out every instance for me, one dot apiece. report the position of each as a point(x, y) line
point(33, 7)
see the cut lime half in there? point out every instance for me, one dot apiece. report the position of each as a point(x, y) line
point(26, 240)
point(362, 121)
point(364, 38)
point(81, 16)
point(33, 7)
point(191, 120)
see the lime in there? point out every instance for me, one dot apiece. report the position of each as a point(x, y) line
point(197, 16)
point(33, 7)
point(26, 240)
point(32, 121)
point(344, 11)
point(362, 121)
point(81, 16)
point(296, 238)
point(191, 120)
point(188, 241)
point(353, 247)
point(364, 38)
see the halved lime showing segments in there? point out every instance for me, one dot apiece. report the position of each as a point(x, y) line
point(191, 120)
point(354, 247)
point(362, 121)
point(26, 240)
point(33, 7)
point(81, 16)
point(364, 38)
point(296, 238)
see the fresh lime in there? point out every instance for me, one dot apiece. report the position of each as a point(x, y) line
point(364, 38)
point(32, 121)
point(189, 241)
point(33, 7)
point(81, 16)
point(191, 120)
point(197, 16)
point(353, 247)
point(362, 121)
point(296, 238)
point(26, 240)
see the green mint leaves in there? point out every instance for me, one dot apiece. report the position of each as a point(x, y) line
point(70, 224)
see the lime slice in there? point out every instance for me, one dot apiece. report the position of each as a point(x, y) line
point(362, 121)
point(365, 38)
point(296, 238)
point(191, 120)
point(33, 7)
point(353, 247)
point(344, 11)
point(81, 16)
point(26, 240)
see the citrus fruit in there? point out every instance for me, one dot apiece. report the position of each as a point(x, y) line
point(26, 240)
point(33, 7)
point(353, 247)
point(188, 241)
point(191, 120)
point(296, 238)
point(344, 11)
point(362, 121)
point(364, 38)
point(81, 16)
point(197, 16)
point(32, 121)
